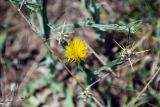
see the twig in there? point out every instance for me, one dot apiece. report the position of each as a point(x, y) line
point(129, 59)
point(128, 37)
point(106, 75)
point(5, 77)
point(44, 20)
point(20, 12)
point(144, 89)
point(97, 101)
point(97, 56)
point(143, 39)
point(21, 5)
point(81, 85)
point(9, 101)
point(155, 63)
point(88, 87)
point(28, 74)
point(3, 83)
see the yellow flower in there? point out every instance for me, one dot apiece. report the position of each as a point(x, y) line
point(76, 50)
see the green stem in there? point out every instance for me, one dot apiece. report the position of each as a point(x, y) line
point(43, 20)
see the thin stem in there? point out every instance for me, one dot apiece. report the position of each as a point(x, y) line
point(99, 104)
point(27, 75)
point(46, 29)
point(107, 74)
point(81, 85)
point(128, 37)
point(144, 89)
point(143, 39)
point(3, 82)
point(142, 51)
point(129, 59)
point(98, 57)
point(43, 20)
point(119, 45)
point(8, 101)
point(21, 4)
point(20, 13)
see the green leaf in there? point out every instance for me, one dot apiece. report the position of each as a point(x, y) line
point(110, 27)
point(157, 30)
point(116, 62)
point(3, 38)
point(90, 23)
point(69, 102)
point(93, 8)
point(57, 89)
point(33, 6)
point(31, 87)
point(30, 4)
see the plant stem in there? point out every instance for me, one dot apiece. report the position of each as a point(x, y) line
point(99, 104)
point(43, 20)
point(144, 89)
point(105, 75)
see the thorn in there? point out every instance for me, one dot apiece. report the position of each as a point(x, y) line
point(131, 64)
point(62, 30)
point(142, 51)
point(21, 5)
point(133, 44)
point(118, 44)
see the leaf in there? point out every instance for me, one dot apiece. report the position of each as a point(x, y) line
point(30, 4)
point(33, 6)
point(93, 8)
point(157, 30)
point(3, 38)
point(31, 87)
point(69, 102)
point(110, 27)
point(90, 23)
point(33, 102)
point(57, 88)
point(116, 62)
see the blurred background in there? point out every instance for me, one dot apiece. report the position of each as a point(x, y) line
point(30, 76)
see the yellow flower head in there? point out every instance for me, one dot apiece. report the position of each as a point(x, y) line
point(76, 50)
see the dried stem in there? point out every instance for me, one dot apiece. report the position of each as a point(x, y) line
point(98, 57)
point(129, 59)
point(107, 74)
point(23, 16)
point(3, 81)
point(21, 5)
point(99, 104)
point(144, 89)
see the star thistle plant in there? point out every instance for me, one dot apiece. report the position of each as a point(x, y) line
point(76, 50)
point(128, 53)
